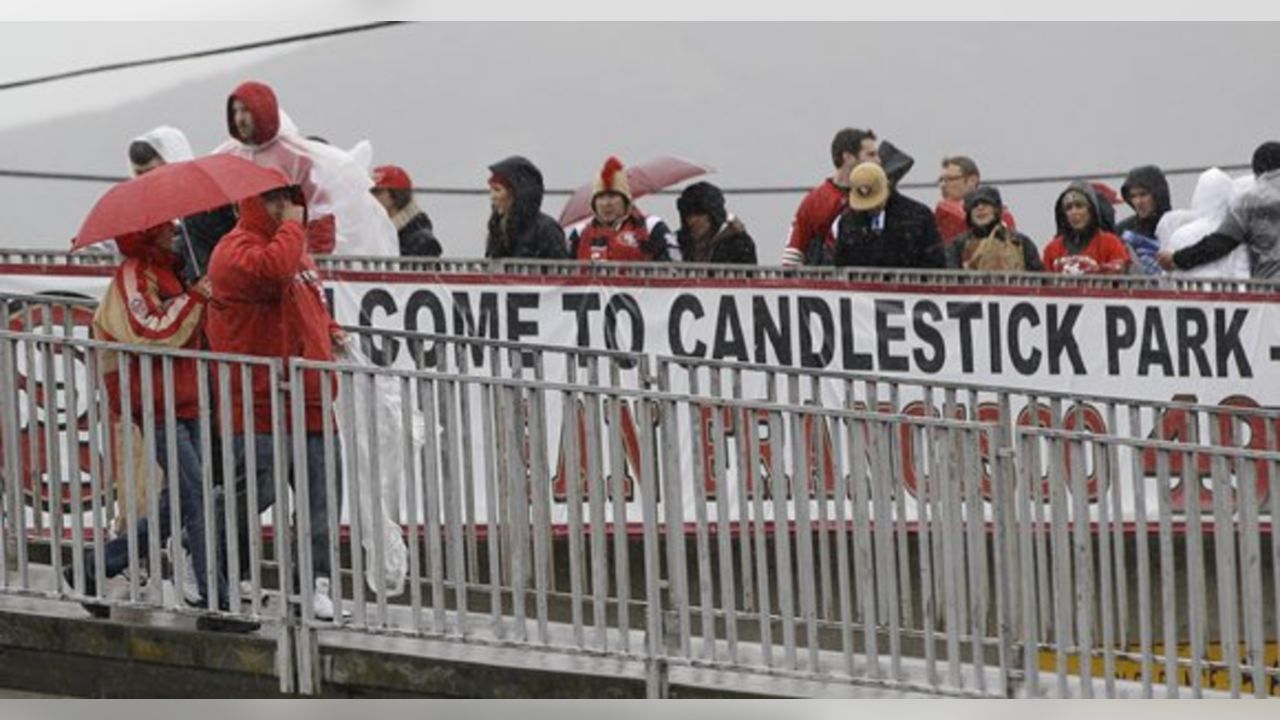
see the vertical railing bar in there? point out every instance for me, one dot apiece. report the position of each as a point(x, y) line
point(846, 605)
point(231, 528)
point(745, 553)
point(349, 428)
point(698, 424)
point(541, 499)
point(1142, 551)
point(411, 404)
point(596, 508)
point(861, 465)
point(575, 438)
point(728, 586)
point(1168, 599)
point(253, 509)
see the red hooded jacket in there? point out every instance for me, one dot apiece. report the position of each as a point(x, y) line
point(260, 100)
point(267, 301)
point(146, 304)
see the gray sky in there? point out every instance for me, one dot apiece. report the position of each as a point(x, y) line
point(29, 50)
point(757, 101)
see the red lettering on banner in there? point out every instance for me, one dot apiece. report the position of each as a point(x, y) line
point(630, 451)
point(1175, 425)
point(34, 435)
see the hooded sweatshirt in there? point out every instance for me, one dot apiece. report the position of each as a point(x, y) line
point(526, 231)
point(1253, 219)
point(344, 218)
point(146, 304)
point(966, 249)
point(169, 142)
point(1150, 178)
point(267, 301)
point(1091, 250)
point(198, 233)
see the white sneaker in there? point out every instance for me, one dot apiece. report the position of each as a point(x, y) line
point(321, 601)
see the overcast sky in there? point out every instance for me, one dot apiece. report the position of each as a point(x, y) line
point(30, 50)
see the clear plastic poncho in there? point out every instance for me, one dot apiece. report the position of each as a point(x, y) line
point(333, 183)
point(1179, 229)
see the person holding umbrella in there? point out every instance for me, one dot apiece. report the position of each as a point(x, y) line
point(617, 229)
point(147, 304)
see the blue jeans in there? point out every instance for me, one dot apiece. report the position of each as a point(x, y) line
point(191, 510)
point(266, 487)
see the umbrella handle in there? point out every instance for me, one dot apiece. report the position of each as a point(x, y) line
point(191, 252)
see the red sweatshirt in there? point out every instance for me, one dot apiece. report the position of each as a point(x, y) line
point(267, 301)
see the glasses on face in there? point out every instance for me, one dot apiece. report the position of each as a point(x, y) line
point(944, 179)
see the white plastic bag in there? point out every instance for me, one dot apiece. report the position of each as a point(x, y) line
point(392, 456)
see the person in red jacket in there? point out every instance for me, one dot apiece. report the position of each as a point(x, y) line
point(618, 230)
point(267, 301)
point(1081, 246)
point(810, 241)
point(959, 177)
point(147, 304)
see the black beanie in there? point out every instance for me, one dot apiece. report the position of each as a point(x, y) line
point(705, 198)
point(1266, 158)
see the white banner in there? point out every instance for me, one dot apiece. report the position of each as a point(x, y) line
point(1211, 348)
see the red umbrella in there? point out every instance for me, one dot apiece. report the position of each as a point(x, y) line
point(173, 191)
point(644, 179)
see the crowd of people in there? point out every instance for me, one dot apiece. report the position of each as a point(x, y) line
point(856, 217)
point(241, 279)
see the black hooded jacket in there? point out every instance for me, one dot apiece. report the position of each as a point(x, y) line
point(528, 232)
point(965, 243)
point(909, 238)
point(418, 239)
point(730, 244)
point(1152, 179)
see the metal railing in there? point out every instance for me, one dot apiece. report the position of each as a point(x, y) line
point(650, 531)
point(625, 470)
point(1201, 621)
point(549, 498)
point(101, 465)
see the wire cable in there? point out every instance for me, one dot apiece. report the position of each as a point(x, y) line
point(286, 40)
point(779, 190)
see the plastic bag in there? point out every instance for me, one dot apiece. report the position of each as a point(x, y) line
point(392, 456)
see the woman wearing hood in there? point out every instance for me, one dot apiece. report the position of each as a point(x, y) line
point(517, 226)
point(147, 304)
point(989, 243)
point(1082, 246)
